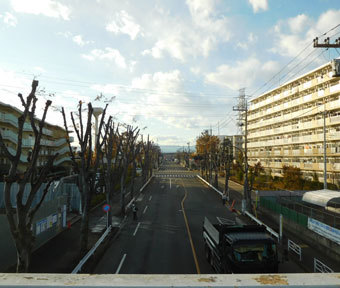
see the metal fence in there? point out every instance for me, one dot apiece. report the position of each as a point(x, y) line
point(320, 214)
point(285, 211)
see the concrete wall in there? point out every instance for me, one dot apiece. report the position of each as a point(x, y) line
point(328, 247)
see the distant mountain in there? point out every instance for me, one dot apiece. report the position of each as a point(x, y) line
point(175, 148)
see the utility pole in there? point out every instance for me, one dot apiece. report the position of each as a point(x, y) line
point(243, 117)
point(336, 73)
point(326, 43)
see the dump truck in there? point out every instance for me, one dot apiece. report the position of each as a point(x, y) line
point(231, 248)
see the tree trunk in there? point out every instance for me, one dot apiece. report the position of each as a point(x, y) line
point(24, 250)
point(84, 226)
point(216, 179)
point(133, 178)
point(108, 197)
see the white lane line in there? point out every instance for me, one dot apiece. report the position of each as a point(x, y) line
point(146, 207)
point(150, 198)
point(170, 183)
point(121, 264)
point(134, 234)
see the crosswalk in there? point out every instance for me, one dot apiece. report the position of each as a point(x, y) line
point(175, 176)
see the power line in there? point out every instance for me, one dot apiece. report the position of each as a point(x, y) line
point(291, 61)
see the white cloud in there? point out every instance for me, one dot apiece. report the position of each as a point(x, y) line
point(195, 70)
point(259, 5)
point(9, 19)
point(39, 69)
point(124, 24)
point(106, 54)
point(243, 74)
point(78, 39)
point(15, 84)
point(293, 34)
point(298, 23)
point(250, 40)
point(107, 89)
point(66, 34)
point(49, 8)
point(181, 38)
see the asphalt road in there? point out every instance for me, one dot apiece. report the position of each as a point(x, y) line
point(167, 236)
point(158, 242)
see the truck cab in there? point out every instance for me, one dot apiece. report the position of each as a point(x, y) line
point(239, 248)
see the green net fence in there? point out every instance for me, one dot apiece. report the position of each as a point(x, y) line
point(288, 213)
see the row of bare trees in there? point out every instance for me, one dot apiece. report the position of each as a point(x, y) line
point(116, 148)
point(215, 156)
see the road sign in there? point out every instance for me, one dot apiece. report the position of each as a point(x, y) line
point(106, 207)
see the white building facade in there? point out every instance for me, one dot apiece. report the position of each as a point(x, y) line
point(285, 125)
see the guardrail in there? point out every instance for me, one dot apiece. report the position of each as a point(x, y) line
point(270, 230)
point(320, 267)
point(211, 186)
point(140, 190)
point(147, 182)
point(295, 248)
point(90, 253)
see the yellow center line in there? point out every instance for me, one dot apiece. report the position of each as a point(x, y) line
point(188, 229)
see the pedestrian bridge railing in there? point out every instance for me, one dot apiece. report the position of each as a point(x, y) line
point(169, 281)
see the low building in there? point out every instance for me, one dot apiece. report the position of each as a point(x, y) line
point(235, 140)
point(285, 125)
point(53, 140)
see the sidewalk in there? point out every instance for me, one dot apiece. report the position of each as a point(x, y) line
point(61, 254)
point(308, 253)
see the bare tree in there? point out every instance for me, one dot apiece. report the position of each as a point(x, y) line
point(129, 141)
point(112, 147)
point(20, 218)
point(86, 168)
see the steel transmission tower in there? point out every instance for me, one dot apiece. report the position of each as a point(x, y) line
point(242, 109)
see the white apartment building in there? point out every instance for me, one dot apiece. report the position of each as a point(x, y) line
point(52, 142)
point(285, 125)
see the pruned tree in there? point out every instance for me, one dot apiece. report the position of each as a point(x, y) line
point(254, 172)
point(86, 169)
point(135, 153)
point(227, 157)
point(20, 216)
point(146, 161)
point(112, 147)
point(207, 147)
point(127, 151)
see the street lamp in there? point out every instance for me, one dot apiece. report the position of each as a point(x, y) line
point(96, 112)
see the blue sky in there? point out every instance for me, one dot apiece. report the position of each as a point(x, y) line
point(174, 67)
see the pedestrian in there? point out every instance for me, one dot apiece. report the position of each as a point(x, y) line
point(224, 198)
point(134, 211)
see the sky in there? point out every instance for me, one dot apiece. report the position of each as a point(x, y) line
point(171, 67)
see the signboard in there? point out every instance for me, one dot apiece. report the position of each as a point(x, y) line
point(324, 230)
point(106, 208)
point(49, 221)
point(54, 218)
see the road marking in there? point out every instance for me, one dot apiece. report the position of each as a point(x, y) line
point(134, 234)
point(146, 207)
point(188, 229)
point(121, 264)
point(170, 183)
point(150, 198)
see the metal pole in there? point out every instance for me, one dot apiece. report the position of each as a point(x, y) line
point(324, 152)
